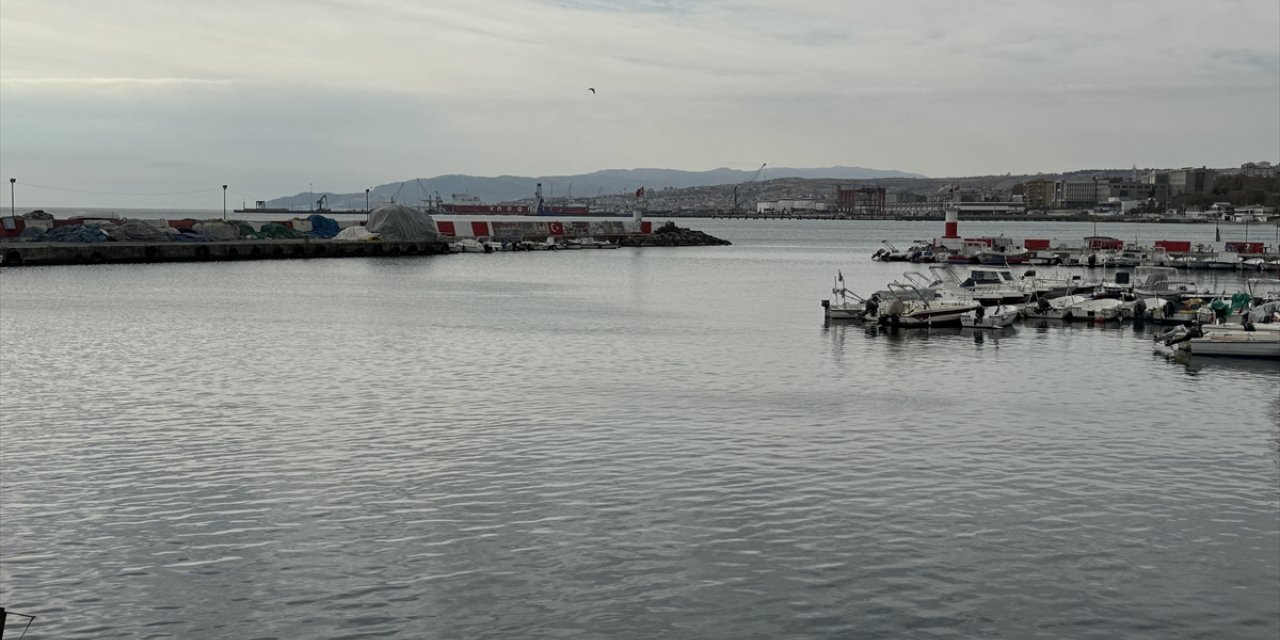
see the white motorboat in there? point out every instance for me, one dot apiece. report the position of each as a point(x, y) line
point(1229, 343)
point(592, 243)
point(910, 308)
point(890, 253)
point(1096, 309)
point(1236, 326)
point(988, 286)
point(997, 317)
point(471, 245)
point(1222, 260)
point(1163, 282)
point(1054, 308)
point(846, 305)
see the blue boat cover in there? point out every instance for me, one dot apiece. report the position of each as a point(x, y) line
point(322, 227)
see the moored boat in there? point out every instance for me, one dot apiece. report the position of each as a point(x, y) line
point(997, 317)
point(909, 308)
point(1228, 343)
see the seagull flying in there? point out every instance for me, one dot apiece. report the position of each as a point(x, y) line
point(591, 89)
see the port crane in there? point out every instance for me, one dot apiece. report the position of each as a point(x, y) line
point(755, 176)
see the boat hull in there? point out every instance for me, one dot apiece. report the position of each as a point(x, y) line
point(933, 317)
point(1261, 346)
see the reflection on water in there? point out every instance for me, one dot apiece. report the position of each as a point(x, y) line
point(622, 444)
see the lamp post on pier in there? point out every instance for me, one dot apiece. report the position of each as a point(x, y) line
point(366, 203)
point(13, 211)
point(224, 202)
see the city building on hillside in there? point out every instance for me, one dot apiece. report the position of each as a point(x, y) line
point(1180, 181)
point(860, 200)
point(1040, 194)
point(1258, 170)
point(1078, 195)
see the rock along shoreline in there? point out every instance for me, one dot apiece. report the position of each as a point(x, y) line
point(669, 235)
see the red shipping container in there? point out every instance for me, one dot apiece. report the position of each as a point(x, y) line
point(1174, 246)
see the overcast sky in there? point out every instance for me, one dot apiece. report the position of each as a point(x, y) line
point(168, 96)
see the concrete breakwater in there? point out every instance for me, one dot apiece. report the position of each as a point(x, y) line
point(17, 253)
point(14, 254)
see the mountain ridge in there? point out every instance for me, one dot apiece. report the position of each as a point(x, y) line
point(503, 188)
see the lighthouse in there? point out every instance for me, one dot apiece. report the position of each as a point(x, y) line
point(951, 232)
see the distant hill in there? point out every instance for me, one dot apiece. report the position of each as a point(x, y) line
point(607, 182)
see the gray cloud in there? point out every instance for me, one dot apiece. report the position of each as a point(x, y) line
point(162, 94)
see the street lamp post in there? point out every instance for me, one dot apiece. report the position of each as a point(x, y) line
point(224, 202)
point(13, 210)
point(366, 202)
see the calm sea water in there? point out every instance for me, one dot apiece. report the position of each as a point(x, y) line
point(616, 444)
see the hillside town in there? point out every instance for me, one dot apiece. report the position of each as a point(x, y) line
point(1250, 192)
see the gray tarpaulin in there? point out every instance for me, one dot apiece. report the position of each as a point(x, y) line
point(398, 223)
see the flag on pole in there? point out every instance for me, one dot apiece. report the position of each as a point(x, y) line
point(640, 192)
point(840, 274)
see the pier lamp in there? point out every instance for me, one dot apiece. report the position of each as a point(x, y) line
point(13, 211)
point(366, 203)
point(224, 202)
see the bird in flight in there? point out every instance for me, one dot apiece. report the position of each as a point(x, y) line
point(591, 89)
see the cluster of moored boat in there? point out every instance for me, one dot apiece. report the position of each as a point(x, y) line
point(1242, 323)
point(1097, 252)
point(483, 245)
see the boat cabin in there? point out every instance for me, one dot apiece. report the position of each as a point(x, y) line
point(985, 276)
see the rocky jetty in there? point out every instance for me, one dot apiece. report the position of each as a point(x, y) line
point(669, 235)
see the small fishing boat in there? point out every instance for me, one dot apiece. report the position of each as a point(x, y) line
point(1053, 308)
point(847, 305)
point(1096, 309)
point(1235, 343)
point(997, 317)
point(1222, 260)
point(889, 253)
point(592, 243)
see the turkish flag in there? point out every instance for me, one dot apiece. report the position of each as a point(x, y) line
point(557, 229)
point(640, 192)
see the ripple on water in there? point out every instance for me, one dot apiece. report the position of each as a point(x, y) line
point(650, 444)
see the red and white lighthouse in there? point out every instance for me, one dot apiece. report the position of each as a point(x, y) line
point(952, 231)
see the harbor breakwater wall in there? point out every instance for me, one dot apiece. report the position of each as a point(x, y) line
point(16, 254)
point(88, 243)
